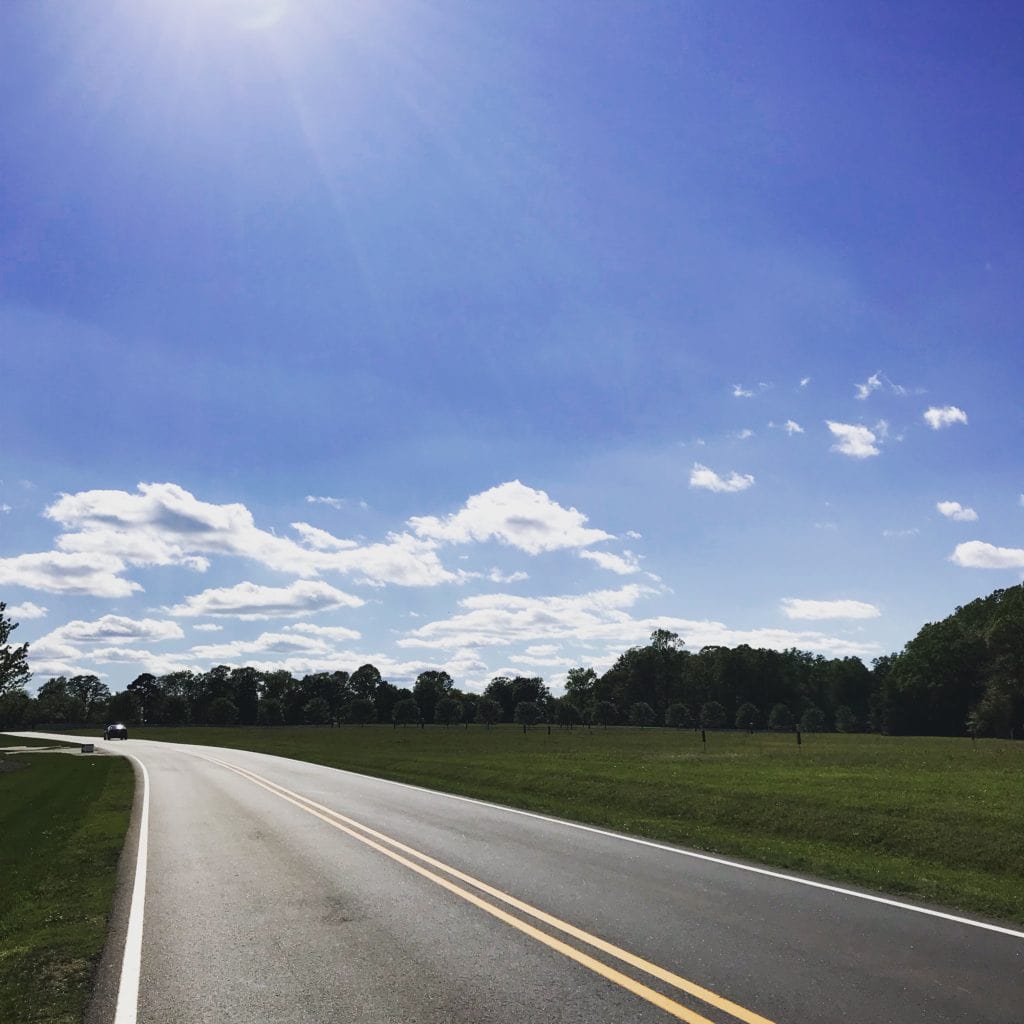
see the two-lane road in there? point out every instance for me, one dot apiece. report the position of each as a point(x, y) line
point(283, 891)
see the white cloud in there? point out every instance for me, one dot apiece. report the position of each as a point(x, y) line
point(497, 576)
point(26, 611)
point(709, 480)
point(112, 629)
point(600, 617)
point(954, 510)
point(58, 572)
point(633, 535)
point(791, 427)
point(912, 531)
point(804, 381)
point(855, 441)
point(6, 509)
point(945, 416)
point(976, 554)
point(164, 524)
point(250, 601)
point(744, 434)
point(335, 503)
point(798, 608)
point(625, 564)
point(512, 514)
point(739, 391)
point(873, 383)
point(324, 632)
point(207, 627)
point(237, 651)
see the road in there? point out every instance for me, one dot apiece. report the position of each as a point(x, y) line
point(288, 892)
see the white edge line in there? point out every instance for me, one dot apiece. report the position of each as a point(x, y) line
point(131, 963)
point(679, 851)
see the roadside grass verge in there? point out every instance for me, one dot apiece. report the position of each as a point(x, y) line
point(63, 820)
point(22, 741)
point(933, 819)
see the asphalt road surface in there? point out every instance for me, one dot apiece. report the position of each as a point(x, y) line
point(280, 891)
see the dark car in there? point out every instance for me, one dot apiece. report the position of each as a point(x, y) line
point(116, 732)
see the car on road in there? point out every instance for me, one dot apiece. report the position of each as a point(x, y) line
point(116, 732)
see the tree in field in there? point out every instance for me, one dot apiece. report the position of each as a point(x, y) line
point(362, 711)
point(488, 711)
point(747, 717)
point(223, 711)
point(91, 694)
point(566, 713)
point(712, 715)
point(270, 712)
point(813, 720)
point(55, 703)
point(780, 719)
point(527, 713)
point(678, 716)
point(364, 682)
point(846, 720)
point(175, 710)
point(448, 711)
point(605, 713)
point(405, 712)
point(317, 712)
point(579, 687)
point(641, 713)
point(149, 695)
point(124, 707)
point(245, 682)
point(14, 673)
point(430, 687)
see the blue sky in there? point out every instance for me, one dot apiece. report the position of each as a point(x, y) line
point(575, 320)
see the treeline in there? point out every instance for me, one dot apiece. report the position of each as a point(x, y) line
point(963, 674)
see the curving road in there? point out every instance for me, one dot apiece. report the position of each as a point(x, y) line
point(288, 892)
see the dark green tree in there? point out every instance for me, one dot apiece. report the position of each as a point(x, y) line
point(14, 672)
point(846, 720)
point(317, 712)
point(642, 714)
point(362, 711)
point(579, 687)
point(364, 682)
point(92, 694)
point(712, 715)
point(488, 711)
point(527, 713)
point(605, 713)
point(270, 712)
point(430, 687)
point(405, 712)
point(747, 717)
point(812, 720)
point(448, 711)
point(780, 719)
point(222, 711)
point(678, 716)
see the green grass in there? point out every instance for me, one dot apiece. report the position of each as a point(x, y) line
point(934, 819)
point(22, 741)
point(63, 820)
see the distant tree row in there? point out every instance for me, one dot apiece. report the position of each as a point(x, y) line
point(965, 673)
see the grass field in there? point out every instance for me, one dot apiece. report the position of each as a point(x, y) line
point(63, 820)
point(930, 818)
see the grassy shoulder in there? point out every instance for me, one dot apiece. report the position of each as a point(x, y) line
point(63, 820)
point(934, 819)
point(29, 741)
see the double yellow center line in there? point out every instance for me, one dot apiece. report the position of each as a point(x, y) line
point(422, 864)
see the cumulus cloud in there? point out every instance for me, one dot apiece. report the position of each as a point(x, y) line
point(26, 611)
point(791, 427)
point(976, 554)
point(709, 480)
point(58, 572)
point(625, 564)
point(739, 391)
point(237, 651)
point(250, 601)
point(600, 617)
point(497, 576)
point(938, 417)
point(633, 535)
point(207, 627)
point(163, 524)
point(856, 441)
point(800, 608)
point(112, 629)
point(954, 510)
point(512, 514)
